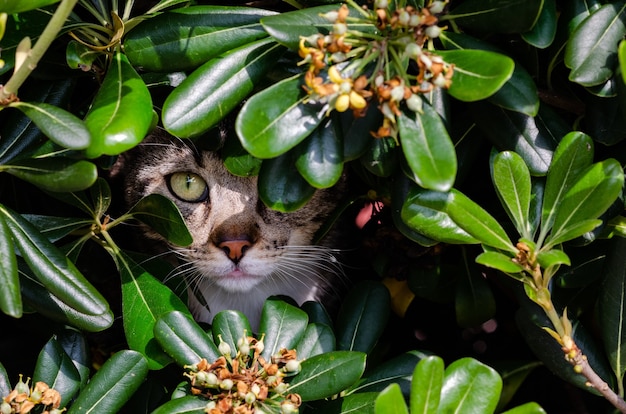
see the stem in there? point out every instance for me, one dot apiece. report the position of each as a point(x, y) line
point(36, 53)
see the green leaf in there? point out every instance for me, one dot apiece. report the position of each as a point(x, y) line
point(425, 212)
point(288, 28)
point(185, 38)
point(77, 349)
point(18, 6)
point(474, 300)
point(363, 317)
point(183, 339)
point(621, 55)
point(591, 52)
point(543, 33)
point(478, 74)
point(237, 160)
point(80, 56)
point(391, 401)
point(426, 385)
point(113, 385)
point(381, 157)
point(497, 260)
point(144, 300)
point(320, 156)
point(397, 370)
point(60, 126)
point(327, 374)
point(477, 222)
point(470, 386)
point(511, 179)
point(58, 274)
point(55, 368)
point(55, 174)
point(55, 228)
point(428, 148)
point(594, 191)
point(5, 384)
point(230, 326)
point(183, 405)
point(210, 92)
point(276, 119)
point(356, 131)
point(552, 258)
point(280, 185)
point(317, 339)
point(528, 408)
point(10, 299)
point(121, 113)
point(283, 326)
point(317, 313)
point(162, 215)
point(573, 154)
point(499, 16)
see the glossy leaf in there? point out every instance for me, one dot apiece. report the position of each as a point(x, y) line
point(283, 326)
point(184, 405)
point(10, 299)
point(425, 212)
point(428, 149)
point(426, 385)
point(497, 260)
point(317, 339)
point(317, 313)
point(144, 300)
point(573, 154)
point(5, 384)
point(363, 317)
point(544, 31)
point(499, 16)
point(287, 28)
point(470, 386)
point(18, 6)
point(553, 257)
point(210, 92)
point(621, 55)
point(162, 215)
point(397, 370)
point(391, 401)
point(381, 157)
point(478, 74)
point(55, 368)
point(511, 179)
point(237, 160)
point(276, 119)
point(320, 156)
point(52, 268)
point(55, 228)
point(400, 189)
point(477, 222)
point(60, 126)
point(280, 185)
point(528, 408)
point(327, 374)
point(77, 349)
point(113, 385)
point(183, 339)
point(55, 174)
point(594, 191)
point(185, 38)
point(591, 52)
point(356, 131)
point(121, 113)
point(230, 326)
point(80, 56)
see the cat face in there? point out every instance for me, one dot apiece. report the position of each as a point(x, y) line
point(242, 251)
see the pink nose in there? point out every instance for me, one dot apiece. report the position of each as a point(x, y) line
point(235, 249)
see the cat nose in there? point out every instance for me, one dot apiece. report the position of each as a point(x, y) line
point(235, 249)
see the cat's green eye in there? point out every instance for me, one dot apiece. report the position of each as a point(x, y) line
point(188, 186)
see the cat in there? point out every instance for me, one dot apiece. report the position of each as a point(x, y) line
point(242, 251)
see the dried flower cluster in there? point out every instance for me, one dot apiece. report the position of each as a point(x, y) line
point(393, 63)
point(24, 399)
point(246, 384)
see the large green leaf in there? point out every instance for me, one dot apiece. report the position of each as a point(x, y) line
point(276, 119)
point(470, 386)
point(317, 339)
point(426, 385)
point(594, 191)
point(511, 179)
point(184, 405)
point(144, 300)
point(77, 349)
point(500, 16)
point(428, 148)
point(18, 6)
point(121, 113)
point(183, 339)
point(543, 33)
point(327, 374)
point(55, 368)
point(55, 174)
point(230, 326)
point(113, 385)
point(591, 52)
point(320, 156)
point(391, 401)
point(363, 317)
point(10, 299)
point(60, 126)
point(162, 215)
point(283, 326)
point(478, 74)
point(185, 38)
point(210, 92)
point(280, 185)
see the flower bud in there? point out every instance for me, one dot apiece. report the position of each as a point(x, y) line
point(432, 32)
point(415, 103)
point(404, 17)
point(288, 408)
point(5, 408)
point(223, 347)
point(436, 7)
point(397, 93)
point(227, 384)
point(292, 366)
point(331, 16)
point(340, 29)
point(415, 20)
point(22, 387)
point(440, 81)
point(413, 50)
point(281, 388)
point(381, 4)
point(342, 103)
point(250, 398)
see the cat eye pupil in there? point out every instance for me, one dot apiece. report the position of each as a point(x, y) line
point(188, 186)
